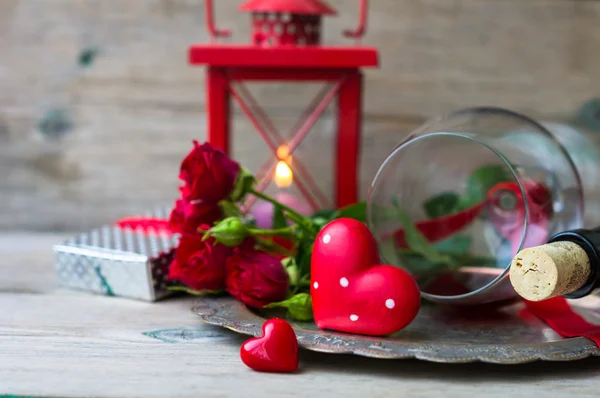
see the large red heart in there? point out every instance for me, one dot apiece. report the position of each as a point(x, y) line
point(351, 292)
point(275, 351)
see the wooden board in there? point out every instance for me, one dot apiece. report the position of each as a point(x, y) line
point(533, 55)
point(139, 106)
point(67, 344)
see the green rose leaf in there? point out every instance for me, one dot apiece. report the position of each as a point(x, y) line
point(299, 306)
point(289, 263)
point(481, 181)
point(303, 255)
point(323, 217)
point(455, 245)
point(279, 220)
point(418, 243)
point(320, 222)
point(326, 213)
point(357, 211)
point(229, 209)
point(243, 184)
point(441, 205)
point(468, 260)
point(456, 248)
point(417, 263)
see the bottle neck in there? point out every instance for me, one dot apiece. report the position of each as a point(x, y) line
point(588, 240)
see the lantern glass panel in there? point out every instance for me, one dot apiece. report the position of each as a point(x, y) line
point(304, 149)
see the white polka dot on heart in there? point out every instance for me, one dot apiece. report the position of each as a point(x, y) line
point(354, 318)
point(326, 238)
point(390, 303)
point(344, 282)
point(316, 285)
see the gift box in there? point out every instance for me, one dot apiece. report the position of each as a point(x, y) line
point(126, 260)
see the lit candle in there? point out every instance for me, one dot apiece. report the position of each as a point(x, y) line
point(284, 177)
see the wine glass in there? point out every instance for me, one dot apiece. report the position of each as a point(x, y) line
point(457, 199)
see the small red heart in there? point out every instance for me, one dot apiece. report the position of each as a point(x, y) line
point(275, 351)
point(351, 292)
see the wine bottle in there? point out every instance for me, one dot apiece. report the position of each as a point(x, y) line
point(568, 265)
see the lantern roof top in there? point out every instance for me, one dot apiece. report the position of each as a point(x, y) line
point(306, 7)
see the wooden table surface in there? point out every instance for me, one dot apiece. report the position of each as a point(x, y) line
point(56, 342)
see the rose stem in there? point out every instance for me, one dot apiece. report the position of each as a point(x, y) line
point(287, 231)
point(276, 203)
point(273, 246)
point(297, 217)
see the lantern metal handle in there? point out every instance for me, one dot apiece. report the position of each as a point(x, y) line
point(210, 22)
point(362, 22)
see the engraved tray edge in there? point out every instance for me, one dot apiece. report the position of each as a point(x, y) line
point(233, 315)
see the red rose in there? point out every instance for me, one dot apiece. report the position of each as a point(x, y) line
point(209, 174)
point(255, 278)
point(186, 217)
point(199, 264)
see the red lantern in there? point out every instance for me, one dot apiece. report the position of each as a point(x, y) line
point(285, 47)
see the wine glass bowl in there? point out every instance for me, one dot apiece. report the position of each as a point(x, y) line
point(457, 199)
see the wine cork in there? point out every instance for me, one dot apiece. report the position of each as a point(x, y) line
point(554, 269)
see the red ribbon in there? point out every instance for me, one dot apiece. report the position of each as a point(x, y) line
point(558, 314)
point(437, 229)
point(147, 225)
point(509, 223)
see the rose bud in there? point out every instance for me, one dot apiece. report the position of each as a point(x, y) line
point(209, 174)
point(255, 278)
point(230, 232)
point(199, 264)
point(186, 217)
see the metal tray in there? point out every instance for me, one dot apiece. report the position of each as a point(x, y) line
point(504, 335)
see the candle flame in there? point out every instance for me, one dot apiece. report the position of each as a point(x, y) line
point(283, 173)
point(283, 152)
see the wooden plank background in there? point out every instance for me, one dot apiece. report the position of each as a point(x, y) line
point(139, 105)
